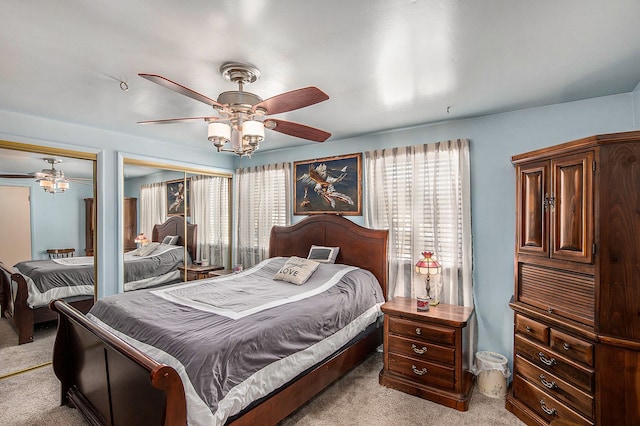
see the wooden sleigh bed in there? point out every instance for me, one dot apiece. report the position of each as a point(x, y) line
point(111, 382)
point(23, 318)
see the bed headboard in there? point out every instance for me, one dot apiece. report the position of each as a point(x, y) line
point(175, 226)
point(359, 246)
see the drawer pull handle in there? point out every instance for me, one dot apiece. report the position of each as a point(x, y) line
point(418, 331)
point(418, 372)
point(566, 346)
point(546, 361)
point(547, 384)
point(418, 351)
point(528, 329)
point(549, 411)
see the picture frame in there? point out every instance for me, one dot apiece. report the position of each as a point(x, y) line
point(330, 185)
point(178, 197)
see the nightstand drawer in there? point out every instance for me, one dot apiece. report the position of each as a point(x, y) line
point(555, 386)
point(532, 329)
point(544, 405)
point(422, 331)
point(422, 372)
point(555, 363)
point(421, 350)
point(572, 347)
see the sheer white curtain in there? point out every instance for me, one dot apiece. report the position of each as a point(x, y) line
point(422, 195)
point(210, 207)
point(153, 206)
point(264, 200)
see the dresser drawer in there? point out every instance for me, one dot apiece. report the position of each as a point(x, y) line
point(421, 350)
point(532, 329)
point(556, 387)
point(422, 372)
point(572, 347)
point(544, 405)
point(420, 330)
point(555, 363)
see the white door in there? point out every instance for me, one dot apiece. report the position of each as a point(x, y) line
point(15, 224)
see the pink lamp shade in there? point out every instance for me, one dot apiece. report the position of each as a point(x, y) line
point(141, 239)
point(428, 265)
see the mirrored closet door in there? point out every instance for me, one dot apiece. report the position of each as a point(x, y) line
point(180, 207)
point(47, 236)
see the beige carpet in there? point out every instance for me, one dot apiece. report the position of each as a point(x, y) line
point(18, 357)
point(33, 397)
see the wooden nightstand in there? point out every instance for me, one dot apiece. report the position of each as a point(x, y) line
point(198, 272)
point(424, 352)
point(220, 272)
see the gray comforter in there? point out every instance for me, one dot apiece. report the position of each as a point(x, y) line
point(49, 276)
point(229, 362)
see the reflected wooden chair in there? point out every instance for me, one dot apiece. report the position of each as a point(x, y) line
point(60, 253)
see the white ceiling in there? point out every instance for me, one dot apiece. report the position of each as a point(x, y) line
point(384, 63)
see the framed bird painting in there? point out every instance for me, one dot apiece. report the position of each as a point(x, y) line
point(328, 185)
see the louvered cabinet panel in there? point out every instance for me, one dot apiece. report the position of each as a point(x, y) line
point(564, 293)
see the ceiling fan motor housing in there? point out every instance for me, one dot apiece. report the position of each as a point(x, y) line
point(241, 101)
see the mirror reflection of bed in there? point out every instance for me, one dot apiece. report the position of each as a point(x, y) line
point(33, 284)
point(52, 224)
point(202, 196)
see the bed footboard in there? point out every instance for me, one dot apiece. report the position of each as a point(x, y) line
point(110, 381)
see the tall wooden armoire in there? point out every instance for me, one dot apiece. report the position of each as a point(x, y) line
point(130, 224)
point(577, 283)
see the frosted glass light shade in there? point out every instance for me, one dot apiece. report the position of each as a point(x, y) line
point(253, 129)
point(219, 132)
point(62, 185)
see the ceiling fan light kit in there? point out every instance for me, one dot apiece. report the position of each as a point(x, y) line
point(52, 180)
point(239, 126)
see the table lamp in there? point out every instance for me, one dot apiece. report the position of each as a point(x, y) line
point(141, 240)
point(428, 266)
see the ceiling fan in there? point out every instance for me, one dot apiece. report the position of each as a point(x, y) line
point(51, 180)
point(243, 116)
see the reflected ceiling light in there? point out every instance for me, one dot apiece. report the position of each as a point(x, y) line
point(51, 180)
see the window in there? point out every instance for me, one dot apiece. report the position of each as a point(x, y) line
point(264, 201)
point(421, 194)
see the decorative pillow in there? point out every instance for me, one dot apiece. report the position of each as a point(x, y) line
point(171, 240)
point(323, 254)
point(297, 270)
point(146, 250)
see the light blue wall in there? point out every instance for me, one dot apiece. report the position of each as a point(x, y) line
point(57, 220)
point(493, 140)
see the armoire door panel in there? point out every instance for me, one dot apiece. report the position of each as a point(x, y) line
point(532, 218)
point(572, 212)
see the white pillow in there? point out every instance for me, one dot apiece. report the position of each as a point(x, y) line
point(146, 250)
point(171, 240)
point(323, 254)
point(297, 270)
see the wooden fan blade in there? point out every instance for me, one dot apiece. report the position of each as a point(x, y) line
point(298, 130)
point(177, 120)
point(177, 87)
point(16, 176)
point(82, 181)
point(289, 101)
